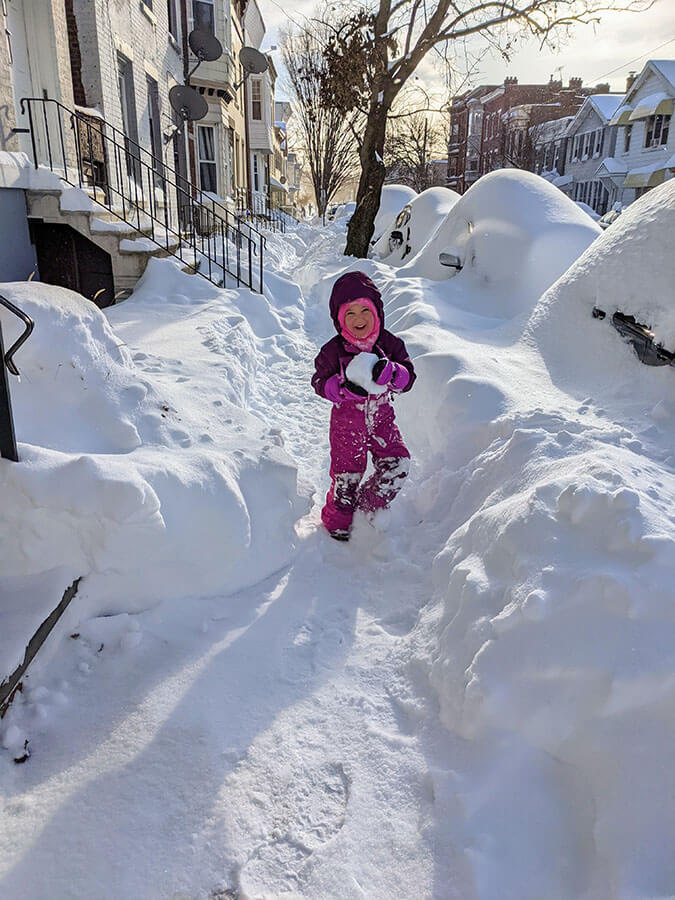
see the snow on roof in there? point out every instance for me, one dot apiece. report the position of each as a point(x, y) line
point(613, 165)
point(666, 67)
point(606, 104)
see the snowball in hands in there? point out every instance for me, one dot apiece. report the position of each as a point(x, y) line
point(360, 371)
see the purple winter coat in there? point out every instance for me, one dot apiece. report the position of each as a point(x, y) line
point(335, 356)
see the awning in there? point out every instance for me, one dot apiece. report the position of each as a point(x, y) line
point(563, 181)
point(622, 115)
point(646, 176)
point(654, 105)
point(277, 185)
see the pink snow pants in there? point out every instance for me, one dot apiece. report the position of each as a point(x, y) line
point(357, 428)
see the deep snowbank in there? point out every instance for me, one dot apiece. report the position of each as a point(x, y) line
point(514, 235)
point(141, 470)
point(549, 641)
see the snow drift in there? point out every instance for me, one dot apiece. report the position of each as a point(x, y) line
point(149, 486)
point(549, 642)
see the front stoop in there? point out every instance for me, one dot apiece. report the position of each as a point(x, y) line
point(128, 245)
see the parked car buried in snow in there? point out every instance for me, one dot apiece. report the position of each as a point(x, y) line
point(511, 233)
point(414, 225)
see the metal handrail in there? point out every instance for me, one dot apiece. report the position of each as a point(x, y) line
point(28, 322)
point(181, 217)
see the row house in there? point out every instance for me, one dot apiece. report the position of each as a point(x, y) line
point(490, 126)
point(279, 177)
point(464, 141)
point(100, 75)
point(590, 140)
point(618, 145)
point(549, 147)
point(218, 139)
point(512, 109)
point(644, 156)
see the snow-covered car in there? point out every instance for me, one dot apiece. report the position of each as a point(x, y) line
point(610, 216)
point(511, 232)
point(392, 200)
point(414, 225)
point(588, 210)
point(625, 284)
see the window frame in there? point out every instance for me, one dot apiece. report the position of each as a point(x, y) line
point(663, 123)
point(196, 4)
point(256, 86)
point(205, 161)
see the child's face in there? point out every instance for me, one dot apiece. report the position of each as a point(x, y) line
point(359, 320)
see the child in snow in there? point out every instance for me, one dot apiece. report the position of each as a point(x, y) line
point(361, 420)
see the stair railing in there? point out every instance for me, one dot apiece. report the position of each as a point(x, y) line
point(7, 437)
point(141, 190)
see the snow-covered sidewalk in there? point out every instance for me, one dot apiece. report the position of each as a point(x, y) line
point(473, 699)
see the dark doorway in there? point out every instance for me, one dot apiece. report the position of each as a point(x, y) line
point(71, 260)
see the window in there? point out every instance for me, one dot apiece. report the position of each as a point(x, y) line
point(172, 15)
point(575, 146)
point(626, 138)
point(204, 15)
point(656, 132)
point(255, 171)
point(599, 134)
point(206, 139)
point(153, 123)
point(256, 99)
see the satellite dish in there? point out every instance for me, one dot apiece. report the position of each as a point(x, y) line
point(205, 46)
point(187, 103)
point(253, 61)
point(283, 179)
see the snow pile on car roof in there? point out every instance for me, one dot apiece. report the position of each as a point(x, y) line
point(630, 269)
point(513, 234)
point(392, 200)
point(426, 212)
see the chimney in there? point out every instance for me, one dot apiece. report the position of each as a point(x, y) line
point(602, 88)
point(575, 84)
point(630, 80)
point(510, 80)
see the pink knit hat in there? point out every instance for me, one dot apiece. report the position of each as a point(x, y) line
point(362, 343)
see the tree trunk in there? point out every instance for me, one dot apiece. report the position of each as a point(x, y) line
point(362, 223)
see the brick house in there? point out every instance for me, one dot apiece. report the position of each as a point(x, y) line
point(464, 142)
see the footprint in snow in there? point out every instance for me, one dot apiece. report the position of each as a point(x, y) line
point(312, 649)
point(306, 815)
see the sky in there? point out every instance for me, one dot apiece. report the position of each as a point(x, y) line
point(604, 52)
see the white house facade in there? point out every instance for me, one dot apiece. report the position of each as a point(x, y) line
point(645, 147)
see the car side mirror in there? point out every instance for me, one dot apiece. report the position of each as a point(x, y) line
point(450, 260)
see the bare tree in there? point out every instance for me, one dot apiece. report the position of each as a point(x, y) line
point(412, 143)
point(323, 132)
point(374, 51)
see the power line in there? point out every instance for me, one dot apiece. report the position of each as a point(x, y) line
point(623, 65)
